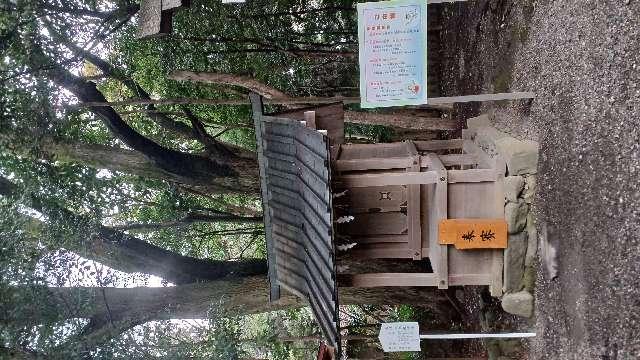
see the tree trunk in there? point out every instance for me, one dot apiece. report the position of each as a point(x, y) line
point(130, 162)
point(129, 254)
point(238, 296)
point(226, 173)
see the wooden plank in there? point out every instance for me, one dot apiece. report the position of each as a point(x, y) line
point(438, 254)
point(387, 279)
point(471, 176)
point(408, 279)
point(469, 279)
point(376, 198)
point(482, 97)
point(310, 119)
point(389, 251)
point(381, 179)
point(473, 233)
point(369, 151)
point(387, 223)
point(256, 106)
point(372, 164)
point(434, 145)
point(497, 279)
point(413, 205)
point(380, 239)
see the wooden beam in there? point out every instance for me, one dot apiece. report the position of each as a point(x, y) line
point(482, 97)
point(257, 110)
point(438, 254)
point(413, 205)
point(387, 279)
point(471, 175)
point(300, 100)
point(381, 179)
point(372, 164)
point(434, 145)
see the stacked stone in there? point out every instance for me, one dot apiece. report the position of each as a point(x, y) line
point(521, 158)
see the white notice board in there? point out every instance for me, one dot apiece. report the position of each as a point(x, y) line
point(392, 41)
point(400, 336)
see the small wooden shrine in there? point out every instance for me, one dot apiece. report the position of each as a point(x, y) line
point(437, 200)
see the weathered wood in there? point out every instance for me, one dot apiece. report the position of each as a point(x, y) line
point(400, 121)
point(276, 101)
point(310, 119)
point(413, 205)
point(387, 279)
point(434, 145)
point(471, 176)
point(376, 198)
point(374, 151)
point(438, 254)
point(383, 223)
point(256, 105)
point(382, 179)
point(482, 97)
point(372, 164)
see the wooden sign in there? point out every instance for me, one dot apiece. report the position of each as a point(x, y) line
point(400, 336)
point(392, 40)
point(473, 233)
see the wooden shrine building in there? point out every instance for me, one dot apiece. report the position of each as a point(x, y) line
point(438, 200)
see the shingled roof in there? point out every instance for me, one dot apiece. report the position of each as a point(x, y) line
point(295, 179)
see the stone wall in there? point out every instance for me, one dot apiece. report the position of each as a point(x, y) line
point(521, 158)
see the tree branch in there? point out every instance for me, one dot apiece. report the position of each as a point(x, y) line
point(175, 162)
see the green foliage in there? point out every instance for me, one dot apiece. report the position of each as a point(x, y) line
point(297, 46)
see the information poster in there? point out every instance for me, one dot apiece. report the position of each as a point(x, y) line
point(392, 37)
point(400, 336)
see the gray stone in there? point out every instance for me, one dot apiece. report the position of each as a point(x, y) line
point(486, 138)
point(515, 213)
point(529, 188)
point(521, 156)
point(520, 303)
point(514, 262)
point(532, 241)
point(479, 121)
point(513, 186)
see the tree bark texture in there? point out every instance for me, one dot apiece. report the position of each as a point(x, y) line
point(238, 296)
point(130, 162)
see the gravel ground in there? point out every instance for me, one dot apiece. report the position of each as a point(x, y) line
point(582, 58)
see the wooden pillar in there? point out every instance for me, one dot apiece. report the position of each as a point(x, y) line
point(437, 198)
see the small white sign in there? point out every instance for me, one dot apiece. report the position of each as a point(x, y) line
point(400, 336)
point(232, 1)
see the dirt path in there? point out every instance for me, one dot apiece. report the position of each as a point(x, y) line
point(583, 60)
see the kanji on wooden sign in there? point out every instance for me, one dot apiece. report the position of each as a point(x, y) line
point(473, 233)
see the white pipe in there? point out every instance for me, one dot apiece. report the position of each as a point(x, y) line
point(477, 336)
